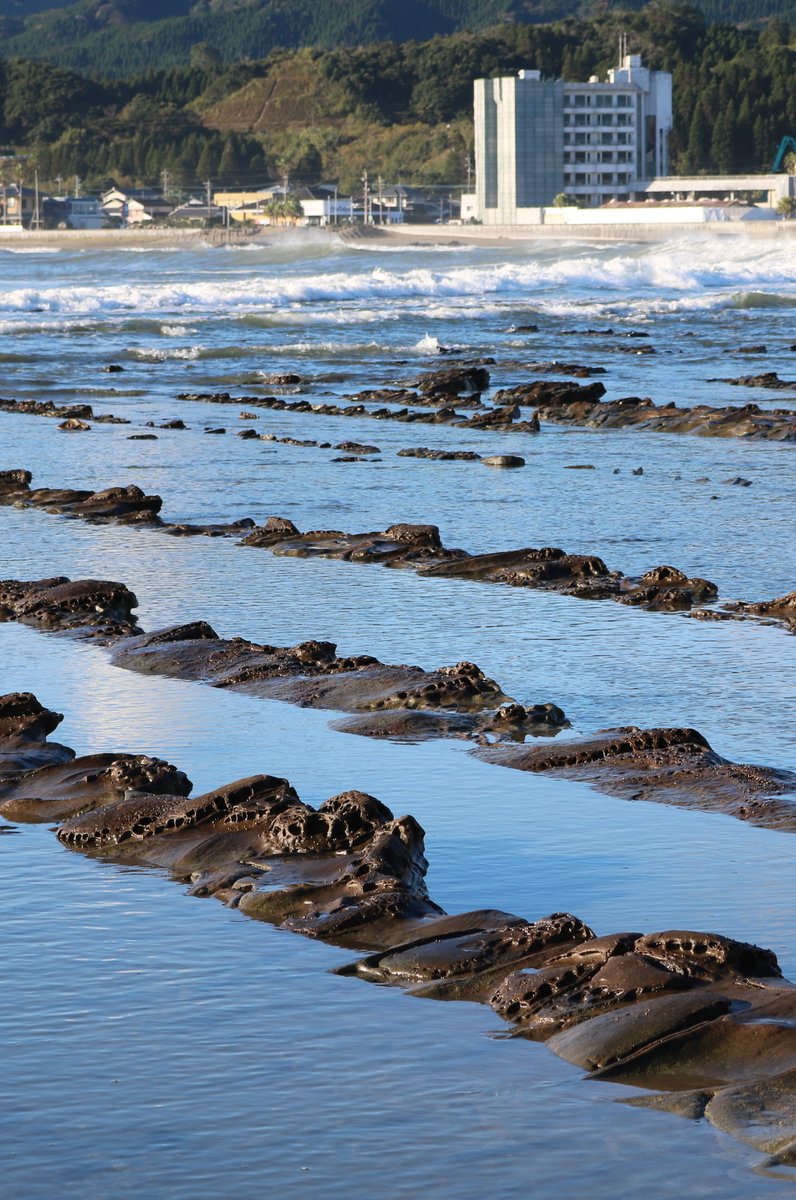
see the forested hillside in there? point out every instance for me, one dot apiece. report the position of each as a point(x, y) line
point(126, 37)
point(399, 110)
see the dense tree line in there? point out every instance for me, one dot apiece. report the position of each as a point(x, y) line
point(402, 109)
point(127, 37)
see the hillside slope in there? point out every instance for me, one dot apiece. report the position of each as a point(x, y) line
point(126, 37)
point(403, 111)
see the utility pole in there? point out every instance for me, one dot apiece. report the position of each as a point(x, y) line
point(208, 190)
point(164, 175)
point(334, 210)
point(468, 162)
point(78, 182)
point(36, 220)
point(381, 202)
point(365, 197)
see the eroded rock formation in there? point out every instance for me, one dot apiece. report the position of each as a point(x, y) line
point(48, 408)
point(664, 588)
point(632, 412)
point(670, 766)
point(409, 703)
point(704, 1024)
point(459, 700)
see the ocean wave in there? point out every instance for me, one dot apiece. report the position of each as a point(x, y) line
point(304, 317)
point(413, 247)
point(154, 355)
point(670, 274)
point(30, 250)
point(762, 300)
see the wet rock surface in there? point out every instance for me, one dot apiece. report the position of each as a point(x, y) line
point(543, 392)
point(503, 418)
point(53, 792)
point(409, 703)
point(633, 412)
point(24, 728)
point(439, 455)
point(63, 412)
point(559, 402)
point(670, 766)
point(768, 379)
point(503, 460)
point(97, 608)
point(452, 381)
point(128, 503)
point(782, 609)
point(417, 546)
point(704, 1024)
point(311, 674)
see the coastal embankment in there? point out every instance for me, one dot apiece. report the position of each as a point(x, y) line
point(497, 235)
point(409, 234)
point(112, 239)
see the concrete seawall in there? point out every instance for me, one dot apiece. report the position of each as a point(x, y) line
point(483, 235)
point(82, 239)
point(495, 235)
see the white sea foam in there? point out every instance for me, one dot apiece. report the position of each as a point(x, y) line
point(417, 248)
point(428, 345)
point(30, 250)
point(175, 330)
point(157, 355)
point(683, 275)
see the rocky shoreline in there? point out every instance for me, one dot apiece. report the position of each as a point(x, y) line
point(437, 397)
point(704, 1024)
point(553, 401)
point(417, 547)
point(670, 766)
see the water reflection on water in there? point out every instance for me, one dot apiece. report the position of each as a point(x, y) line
point(159, 1045)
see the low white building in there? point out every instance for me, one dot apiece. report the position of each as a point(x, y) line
point(649, 212)
point(327, 210)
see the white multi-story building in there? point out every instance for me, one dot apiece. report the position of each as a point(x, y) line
point(538, 138)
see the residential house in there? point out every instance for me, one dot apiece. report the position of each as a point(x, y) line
point(72, 212)
point(17, 205)
point(197, 212)
point(135, 206)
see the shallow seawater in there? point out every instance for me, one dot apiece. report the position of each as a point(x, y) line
point(162, 1045)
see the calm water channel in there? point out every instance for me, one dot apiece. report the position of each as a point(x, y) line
point(159, 1045)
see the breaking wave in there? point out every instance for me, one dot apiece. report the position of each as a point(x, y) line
point(684, 275)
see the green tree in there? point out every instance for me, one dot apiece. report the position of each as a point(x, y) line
point(207, 163)
point(699, 140)
point(722, 143)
